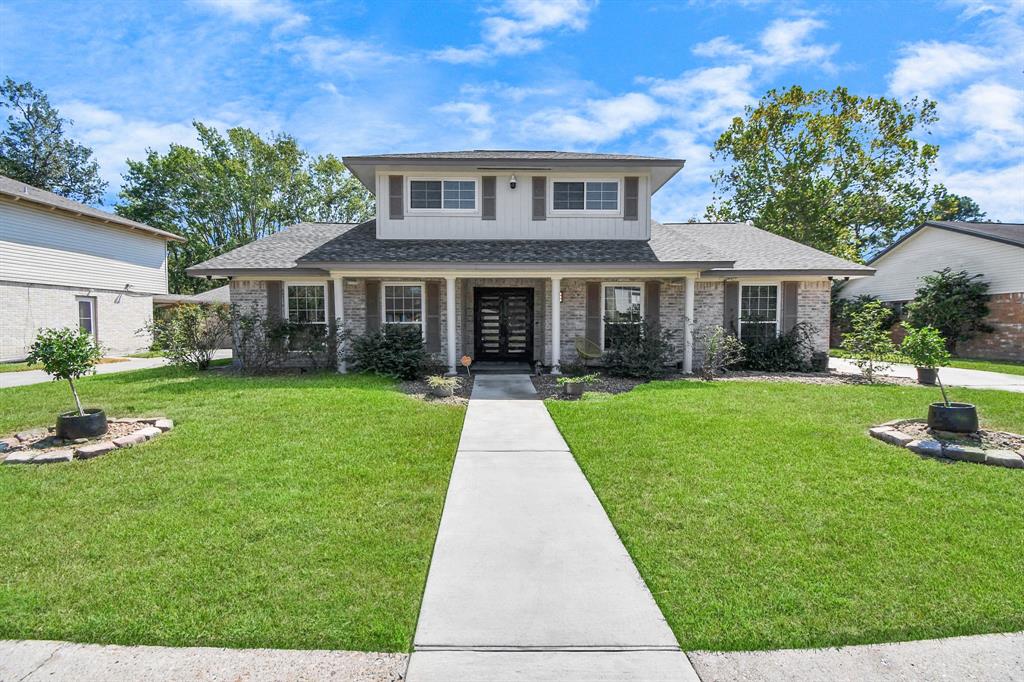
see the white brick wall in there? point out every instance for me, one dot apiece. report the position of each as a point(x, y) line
point(27, 308)
point(814, 306)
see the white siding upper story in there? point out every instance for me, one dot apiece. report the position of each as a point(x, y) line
point(514, 209)
point(40, 246)
point(899, 272)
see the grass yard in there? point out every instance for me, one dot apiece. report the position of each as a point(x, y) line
point(1002, 366)
point(762, 515)
point(17, 367)
point(291, 512)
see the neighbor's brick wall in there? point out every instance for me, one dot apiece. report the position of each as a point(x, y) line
point(814, 306)
point(27, 308)
point(1006, 342)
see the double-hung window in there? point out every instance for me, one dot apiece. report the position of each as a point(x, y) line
point(442, 195)
point(306, 303)
point(403, 304)
point(623, 306)
point(585, 195)
point(759, 312)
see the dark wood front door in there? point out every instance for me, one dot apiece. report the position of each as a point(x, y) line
point(503, 319)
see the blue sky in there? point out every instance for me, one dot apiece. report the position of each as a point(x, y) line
point(660, 78)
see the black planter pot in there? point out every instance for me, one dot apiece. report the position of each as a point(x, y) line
point(957, 417)
point(926, 375)
point(70, 425)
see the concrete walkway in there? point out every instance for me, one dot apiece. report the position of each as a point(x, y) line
point(38, 376)
point(529, 580)
point(951, 376)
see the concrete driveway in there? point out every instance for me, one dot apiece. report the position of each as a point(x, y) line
point(951, 376)
point(38, 376)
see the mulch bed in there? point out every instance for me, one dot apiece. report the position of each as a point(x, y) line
point(421, 389)
point(44, 440)
point(990, 440)
point(824, 378)
point(547, 386)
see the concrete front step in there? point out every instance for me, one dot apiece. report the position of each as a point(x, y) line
point(541, 666)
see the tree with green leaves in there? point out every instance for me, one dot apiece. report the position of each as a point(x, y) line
point(833, 170)
point(35, 148)
point(955, 303)
point(949, 206)
point(868, 342)
point(66, 354)
point(234, 189)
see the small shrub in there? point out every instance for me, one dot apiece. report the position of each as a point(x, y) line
point(583, 379)
point(66, 354)
point(639, 350)
point(788, 352)
point(438, 381)
point(573, 368)
point(722, 350)
point(925, 347)
point(954, 303)
point(313, 342)
point(868, 344)
point(259, 343)
point(843, 310)
point(395, 351)
point(189, 334)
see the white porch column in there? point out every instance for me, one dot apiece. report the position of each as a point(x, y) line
point(449, 300)
point(556, 324)
point(339, 318)
point(691, 284)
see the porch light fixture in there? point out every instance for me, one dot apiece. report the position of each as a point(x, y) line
point(512, 182)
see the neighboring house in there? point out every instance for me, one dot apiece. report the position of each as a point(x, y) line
point(993, 250)
point(513, 255)
point(65, 264)
point(218, 296)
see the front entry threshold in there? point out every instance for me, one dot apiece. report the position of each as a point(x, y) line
point(500, 367)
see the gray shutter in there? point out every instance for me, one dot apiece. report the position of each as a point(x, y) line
point(433, 343)
point(372, 305)
point(595, 318)
point(789, 304)
point(540, 200)
point(396, 197)
point(331, 321)
point(489, 207)
point(652, 306)
point(731, 308)
point(631, 199)
point(274, 301)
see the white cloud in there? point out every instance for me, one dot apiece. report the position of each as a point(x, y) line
point(473, 113)
point(596, 120)
point(999, 191)
point(707, 99)
point(782, 43)
point(282, 13)
point(924, 68)
point(516, 27)
point(339, 55)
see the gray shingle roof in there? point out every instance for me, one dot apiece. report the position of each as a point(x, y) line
point(309, 247)
point(511, 154)
point(20, 191)
point(755, 250)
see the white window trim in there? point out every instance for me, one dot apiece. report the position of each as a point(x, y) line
point(443, 211)
point(643, 301)
point(570, 213)
point(289, 285)
point(423, 304)
point(91, 300)
point(778, 304)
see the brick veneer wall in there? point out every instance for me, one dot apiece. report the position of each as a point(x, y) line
point(708, 301)
point(27, 308)
point(814, 306)
point(1006, 342)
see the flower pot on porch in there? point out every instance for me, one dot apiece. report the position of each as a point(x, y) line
point(955, 417)
point(926, 375)
point(71, 425)
point(574, 390)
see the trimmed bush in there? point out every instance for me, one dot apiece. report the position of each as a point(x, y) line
point(788, 352)
point(395, 351)
point(637, 350)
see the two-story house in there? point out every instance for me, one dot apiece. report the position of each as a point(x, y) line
point(65, 264)
point(514, 255)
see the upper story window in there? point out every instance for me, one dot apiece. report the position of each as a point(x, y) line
point(444, 195)
point(585, 195)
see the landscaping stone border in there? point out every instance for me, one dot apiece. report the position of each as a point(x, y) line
point(154, 426)
point(888, 433)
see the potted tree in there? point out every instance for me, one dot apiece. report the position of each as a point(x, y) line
point(926, 349)
point(69, 354)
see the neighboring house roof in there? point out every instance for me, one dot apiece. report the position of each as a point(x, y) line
point(757, 251)
point(213, 296)
point(660, 169)
point(1007, 233)
point(716, 248)
point(21, 192)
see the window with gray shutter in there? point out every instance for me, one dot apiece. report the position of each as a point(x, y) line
point(372, 305)
point(540, 206)
point(396, 197)
point(631, 199)
point(489, 186)
point(433, 305)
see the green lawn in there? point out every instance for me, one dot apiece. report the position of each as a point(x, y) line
point(17, 367)
point(762, 515)
point(1005, 367)
point(293, 512)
